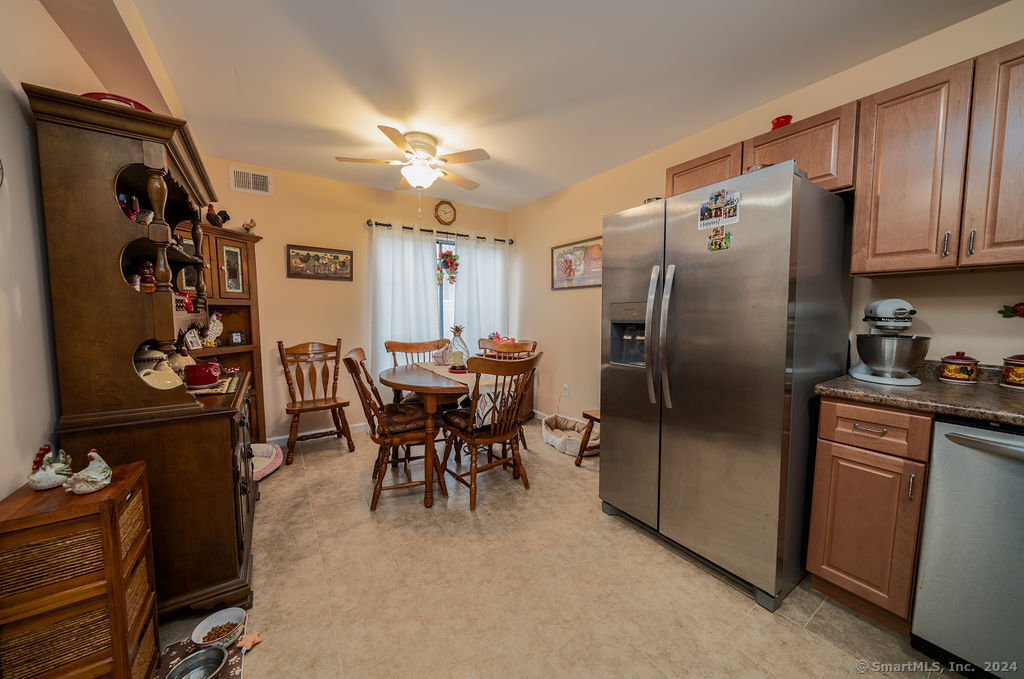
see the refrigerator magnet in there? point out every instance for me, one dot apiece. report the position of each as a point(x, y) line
point(719, 240)
point(720, 209)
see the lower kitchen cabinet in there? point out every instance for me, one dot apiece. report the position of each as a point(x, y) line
point(864, 523)
point(867, 505)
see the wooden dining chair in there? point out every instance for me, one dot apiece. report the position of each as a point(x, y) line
point(412, 352)
point(512, 379)
point(507, 351)
point(306, 366)
point(392, 426)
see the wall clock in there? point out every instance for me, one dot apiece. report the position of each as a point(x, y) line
point(444, 212)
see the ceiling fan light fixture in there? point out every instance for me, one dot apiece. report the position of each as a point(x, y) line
point(420, 174)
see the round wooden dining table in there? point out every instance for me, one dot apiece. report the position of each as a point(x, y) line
point(433, 390)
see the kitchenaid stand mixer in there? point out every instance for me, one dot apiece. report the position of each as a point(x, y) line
point(886, 355)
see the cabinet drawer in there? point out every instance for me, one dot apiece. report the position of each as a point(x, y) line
point(895, 432)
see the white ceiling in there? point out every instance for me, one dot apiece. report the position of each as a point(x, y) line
point(555, 91)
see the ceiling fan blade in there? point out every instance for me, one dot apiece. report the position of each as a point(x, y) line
point(403, 185)
point(343, 159)
point(396, 137)
point(467, 184)
point(465, 156)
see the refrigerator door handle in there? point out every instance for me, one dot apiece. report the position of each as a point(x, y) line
point(648, 343)
point(670, 274)
point(988, 446)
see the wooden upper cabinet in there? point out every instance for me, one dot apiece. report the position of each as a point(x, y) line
point(822, 146)
point(865, 515)
point(993, 224)
point(707, 169)
point(912, 149)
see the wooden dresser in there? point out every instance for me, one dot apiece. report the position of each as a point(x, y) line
point(76, 582)
point(97, 161)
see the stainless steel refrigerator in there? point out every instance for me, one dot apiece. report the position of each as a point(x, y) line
point(722, 308)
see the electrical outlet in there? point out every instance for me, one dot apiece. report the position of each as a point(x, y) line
point(565, 390)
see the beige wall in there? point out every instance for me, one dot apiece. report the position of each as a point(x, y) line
point(959, 310)
point(307, 210)
point(32, 49)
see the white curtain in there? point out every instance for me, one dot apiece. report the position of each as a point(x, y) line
point(404, 290)
point(481, 288)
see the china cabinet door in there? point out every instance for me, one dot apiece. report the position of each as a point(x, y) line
point(993, 231)
point(232, 265)
point(865, 514)
point(912, 149)
point(821, 145)
point(707, 169)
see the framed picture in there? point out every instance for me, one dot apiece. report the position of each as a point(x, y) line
point(236, 337)
point(304, 261)
point(192, 340)
point(576, 265)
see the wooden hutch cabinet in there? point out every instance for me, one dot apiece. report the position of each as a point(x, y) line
point(96, 160)
point(229, 273)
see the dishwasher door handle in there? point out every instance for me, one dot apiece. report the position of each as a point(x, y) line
point(1015, 453)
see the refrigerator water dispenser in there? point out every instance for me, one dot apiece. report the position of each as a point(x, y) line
point(628, 334)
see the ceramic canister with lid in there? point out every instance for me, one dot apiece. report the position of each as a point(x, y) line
point(1013, 372)
point(959, 368)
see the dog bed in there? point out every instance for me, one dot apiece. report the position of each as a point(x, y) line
point(564, 435)
point(266, 458)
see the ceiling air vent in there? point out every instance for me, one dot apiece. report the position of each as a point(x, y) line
point(251, 181)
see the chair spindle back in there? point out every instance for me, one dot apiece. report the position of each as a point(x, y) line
point(369, 397)
point(505, 351)
point(414, 352)
point(512, 379)
point(309, 366)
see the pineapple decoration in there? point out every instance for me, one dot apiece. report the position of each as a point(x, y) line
point(459, 350)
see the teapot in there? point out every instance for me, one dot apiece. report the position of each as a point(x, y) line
point(161, 376)
point(178, 360)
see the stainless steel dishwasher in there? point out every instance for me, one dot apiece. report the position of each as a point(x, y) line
point(970, 589)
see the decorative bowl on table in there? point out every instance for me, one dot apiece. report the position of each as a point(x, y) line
point(202, 664)
point(221, 619)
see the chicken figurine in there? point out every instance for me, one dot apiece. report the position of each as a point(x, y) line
point(95, 476)
point(49, 471)
point(249, 225)
point(214, 329)
point(217, 218)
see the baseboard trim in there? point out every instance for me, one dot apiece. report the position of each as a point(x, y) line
point(359, 426)
point(540, 416)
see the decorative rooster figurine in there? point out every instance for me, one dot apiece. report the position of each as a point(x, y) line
point(96, 475)
point(214, 329)
point(249, 225)
point(217, 218)
point(49, 471)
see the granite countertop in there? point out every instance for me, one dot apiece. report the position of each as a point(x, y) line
point(985, 400)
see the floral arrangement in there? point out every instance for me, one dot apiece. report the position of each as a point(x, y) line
point(1010, 311)
point(447, 265)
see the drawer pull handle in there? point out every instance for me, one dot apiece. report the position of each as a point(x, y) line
point(945, 244)
point(910, 488)
point(970, 242)
point(883, 431)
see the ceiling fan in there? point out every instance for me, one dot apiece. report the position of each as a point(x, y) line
point(421, 165)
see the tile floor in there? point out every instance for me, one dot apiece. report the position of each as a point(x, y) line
point(535, 583)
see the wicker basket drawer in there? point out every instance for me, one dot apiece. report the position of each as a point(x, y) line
point(131, 520)
point(137, 591)
point(65, 640)
point(40, 557)
point(145, 655)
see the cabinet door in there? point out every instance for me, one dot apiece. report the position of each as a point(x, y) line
point(912, 149)
point(865, 514)
point(993, 230)
point(707, 169)
point(821, 145)
point(232, 274)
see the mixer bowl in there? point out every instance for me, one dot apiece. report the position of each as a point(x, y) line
point(892, 355)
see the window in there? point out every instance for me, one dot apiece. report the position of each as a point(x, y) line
point(445, 294)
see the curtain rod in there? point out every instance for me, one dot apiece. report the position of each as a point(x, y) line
point(370, 223)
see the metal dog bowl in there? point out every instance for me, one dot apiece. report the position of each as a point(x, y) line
point(203, 664)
